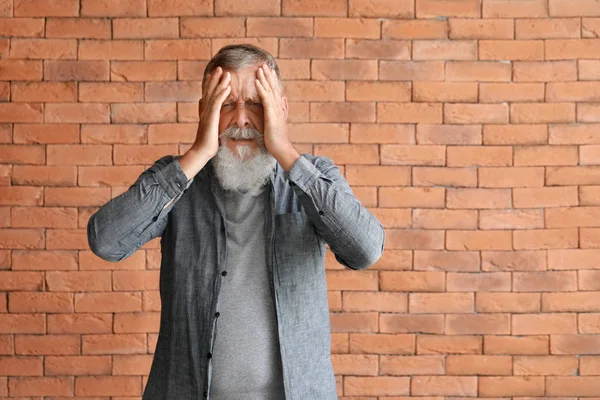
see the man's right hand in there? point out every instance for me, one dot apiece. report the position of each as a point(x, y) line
point(206, 145)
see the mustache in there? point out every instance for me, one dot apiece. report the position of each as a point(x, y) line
point(237, 133)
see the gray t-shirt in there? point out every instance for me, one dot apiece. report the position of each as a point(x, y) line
point(246, 363)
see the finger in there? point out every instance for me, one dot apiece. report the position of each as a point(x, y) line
point(212, 82)
point(223, 83)
point(261, 91)
point(263, 79)
point(220, 97)
point(271, 78)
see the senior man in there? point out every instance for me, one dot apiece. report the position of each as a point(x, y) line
point(243, 220)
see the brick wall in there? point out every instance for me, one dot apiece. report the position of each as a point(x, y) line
point(471, 128)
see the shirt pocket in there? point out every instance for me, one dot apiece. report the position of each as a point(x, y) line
point(298, 252)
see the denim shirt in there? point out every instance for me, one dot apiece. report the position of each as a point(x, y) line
point(310, 206)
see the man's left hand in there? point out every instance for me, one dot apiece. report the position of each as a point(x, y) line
point(275, 112)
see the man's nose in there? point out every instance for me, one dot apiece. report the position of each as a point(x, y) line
point(241, 116)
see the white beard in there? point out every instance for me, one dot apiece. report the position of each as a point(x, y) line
point(248, 170)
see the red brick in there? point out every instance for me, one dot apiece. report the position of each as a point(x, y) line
point(176, 8)
point(44, 175)
point(546, 71)
point(22, 366)
point(455, 303)
point(589, 69)
point(411, 281)
point(449, 8)
point(444, 386)
point(136, 28)
point(88, 261)
point(413, 155)
point(378, 175)
point(481, 324)
point(576, 301)
point(46, 8)
point(374, 301)
point(114, 92)
point(382, 8)
point(263, 8)
point(381, 49)
point(575, 8)
point(468, 156)
point(47, 344)
point(44, 92)
point(344, 70)
point(444, 92)
point(412, 365)
point(542, 113)
point(354, 322)
point(412, 197)
point(21, 154)
point(342, 112)
point(511, 92)
point(382, 133)
point(411, 70)
point(172, 91)
point(554, 28)
point(542, 324)
point(41, 217)
point(515, 134)
point(479, 240)
point(180, 49)
point(409, 112)
point(21, 70)
point(143, 113)
point(20, 112)
point(131, 364)
point(484, 71)
point(53, 49)
point(76, 113)
point(31, 302)
point(109, 176)
point(446, 261)
point(565, 49)
point(215, 27)
point(290, 69)
point(515, 9)
point(111, 49)
point(22, 324)
point(511, 50)
point(545, 281)
point(74, 197)
point(79, 155)
point(415, 239)
point(76, 70)
point(143, 154)
point(376, 386)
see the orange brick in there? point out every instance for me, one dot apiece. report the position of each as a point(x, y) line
point(589, 69)
point(444, 50)
point(515, 134)
point(192, 27)
point(478, 365)
point(415, 239)
point(511, 177)
point(172, 91)
point(230, 7)
point(413, 155)
point(108, 386)
point(572, 259)
point(444, 176)
point(450, 8)
point(482, 324)
point(114, 92)
point(572, 217)
point(576, 8)
point(445, 92)
point(137, 322)
point(526, 345)
point(455, 303)
point(409, 112)
point(354, 322)
point(588, 154)
point(381, 133)
point(411, 70)
point(78, 28)
point(77, 365)
point(21, 324)
point(314, 8)
point(73, 197)
point(577, 301)
point(575, 344)
point(478, 198)
point(572, 386)
point(88, 261)
point(412, 365)
point(134, 71)
point(20, 112)
point(588, 112)
point(34, 386)
point(446, 260)
point(554, 28)
point(311, 48)
point(143, 154)
point(572, 91)
point(443, 344)
point(180, 49)
point(513, 50)
point(511, 386)
point(507, 302)
point(412, 197)
point(79, 155)
point(411, 323)
point(444, 385)
point(136, 28)
point(511, 92)
point(44, 92)
point(481, 29)
point(344, 70)
point(378, 91)
point(292, 69)
point(541, 281)
point(378, 175)
point(444, 219)
point(342, 112)
point(79, 324)
point(411, 281)
point(476, 113)
point(468, 156)
point(543, 324)
point(34, 217)
point(113, 8)
point(22, 27)
point(32, 302)
point(545, 239)
point(542, 113)
point(415, 29)
point(76, 70)
point(382, 343)
point(545, 197)
point(511, 219)
point(481, 282)
point(515, 9)
point(588, 323)
point(386, 49)
point(448, 134)
point(347, 28)
point(108, 302)
point(113, 134)
point(382, 8)
point(131, 364)
point(566, 49)
point(395, 260)
point(483, 71)
point(479, 240)
point(22, 366)
point(376, 386)
point(176, 8)
point(44, 8)
point(589, 27)
point(143, 113)
point(47, 344)
point(374, 301)
point(546, 71)
point(21, 154)
point(24, 196)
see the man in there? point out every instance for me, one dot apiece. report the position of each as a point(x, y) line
point(243, 220)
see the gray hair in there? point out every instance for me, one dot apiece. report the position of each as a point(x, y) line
point(238, 56)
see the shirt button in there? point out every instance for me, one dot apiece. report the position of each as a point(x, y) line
point(224, 273)
point(217, 314)
point(292, 183)
point(205, 394)
point(321, 213)
point(209, 355)
point(178, 184)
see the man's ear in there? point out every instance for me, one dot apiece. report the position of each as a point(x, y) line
point(285, 107)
